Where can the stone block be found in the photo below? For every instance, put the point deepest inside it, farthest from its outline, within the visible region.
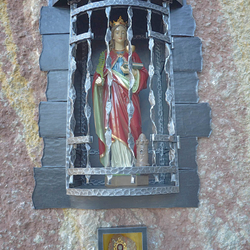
(187, 54)
(57, 85)
(193, 120)
(55, 52)
(54, 20)
(52, 119)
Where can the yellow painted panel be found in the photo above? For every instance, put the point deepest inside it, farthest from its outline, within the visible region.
(136, 237)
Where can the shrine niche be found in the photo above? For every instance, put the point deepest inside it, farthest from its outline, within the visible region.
(146, 144)
(127, 44)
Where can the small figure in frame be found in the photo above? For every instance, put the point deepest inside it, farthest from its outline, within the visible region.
(120, 242)
(117, 120)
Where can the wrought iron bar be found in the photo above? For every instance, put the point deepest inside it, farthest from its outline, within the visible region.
(158, 36)
(87, 108)
(108, 133)
(130, 106)
(159, 99)
(80, 139)
(120, 3)
(121, 170)
(81, 37)
(136, 191)
(170, 97)
(70, 151)
(83, 119)
(151, 92)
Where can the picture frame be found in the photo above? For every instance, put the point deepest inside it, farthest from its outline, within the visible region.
(138, 235)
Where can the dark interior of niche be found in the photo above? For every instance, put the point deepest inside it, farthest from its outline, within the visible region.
(99, 22)
(82, 24)
(156, 22)
(158, 2)
(82, 2)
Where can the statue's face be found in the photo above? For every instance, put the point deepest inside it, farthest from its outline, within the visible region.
(120, 35)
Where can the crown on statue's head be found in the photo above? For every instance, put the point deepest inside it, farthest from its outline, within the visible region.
(118, 22)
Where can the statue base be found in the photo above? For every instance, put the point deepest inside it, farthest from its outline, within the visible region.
(125, 181)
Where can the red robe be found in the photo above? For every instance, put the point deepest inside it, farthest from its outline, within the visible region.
(118, 118)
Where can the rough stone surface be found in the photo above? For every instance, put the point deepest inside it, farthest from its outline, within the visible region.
(22, 88)
(222, 219)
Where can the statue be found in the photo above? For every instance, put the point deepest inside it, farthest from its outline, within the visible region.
(118, 119)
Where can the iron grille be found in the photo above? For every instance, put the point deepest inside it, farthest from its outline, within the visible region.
(78, 150)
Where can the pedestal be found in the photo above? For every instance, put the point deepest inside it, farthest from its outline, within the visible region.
(125, 180)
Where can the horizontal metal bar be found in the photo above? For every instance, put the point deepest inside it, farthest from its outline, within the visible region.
(178, 142)
(119, 3)
(122, 170)
(81, 37)
(80, 140)
(158, 36)
(162, 137)
(134, 191)
(77, 1)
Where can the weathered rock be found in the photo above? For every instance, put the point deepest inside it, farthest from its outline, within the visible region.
(222, 219)
(22, 89)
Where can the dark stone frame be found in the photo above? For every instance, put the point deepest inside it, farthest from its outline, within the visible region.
(193, 118)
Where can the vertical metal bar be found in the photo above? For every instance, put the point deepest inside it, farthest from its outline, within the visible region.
(87, 108)
(130, 106)
(108, 133)
(151, 97)
(83, 101)
(151, 74)
(158, 53)
(170, 96)
(70, 151)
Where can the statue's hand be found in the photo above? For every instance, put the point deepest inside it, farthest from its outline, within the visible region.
(98, 81)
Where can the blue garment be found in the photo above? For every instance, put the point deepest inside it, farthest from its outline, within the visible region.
(119, 63)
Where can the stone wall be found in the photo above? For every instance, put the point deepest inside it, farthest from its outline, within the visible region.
(222, 219)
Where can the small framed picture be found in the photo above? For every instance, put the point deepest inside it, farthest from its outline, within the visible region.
(122, 238)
